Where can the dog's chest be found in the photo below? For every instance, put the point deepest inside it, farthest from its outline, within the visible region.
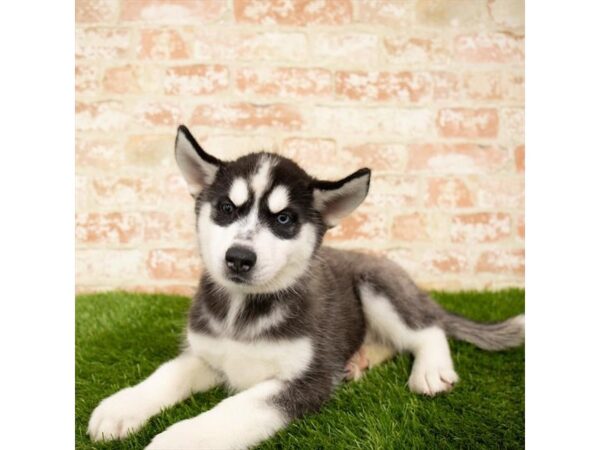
(245, 363)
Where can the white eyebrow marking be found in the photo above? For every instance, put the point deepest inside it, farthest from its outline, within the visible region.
(238, 193)
(260, 180)
(278, 199)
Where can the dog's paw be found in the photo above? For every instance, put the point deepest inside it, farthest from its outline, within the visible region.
(183, 435)
(118, 415)
(432, 380)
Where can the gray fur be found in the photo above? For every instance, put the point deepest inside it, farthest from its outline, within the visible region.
(487, 336)
(332, 301)
(325, 304)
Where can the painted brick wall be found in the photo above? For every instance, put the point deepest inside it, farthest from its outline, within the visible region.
(429, 94)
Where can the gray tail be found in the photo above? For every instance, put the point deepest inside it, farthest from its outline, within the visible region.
(487, 336)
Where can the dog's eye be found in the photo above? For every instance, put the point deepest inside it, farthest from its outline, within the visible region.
(227, 207)
(284, 218)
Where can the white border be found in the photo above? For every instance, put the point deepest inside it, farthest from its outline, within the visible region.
(563, 224)
(36, 234)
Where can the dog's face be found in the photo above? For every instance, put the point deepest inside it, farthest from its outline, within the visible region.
(261, 217)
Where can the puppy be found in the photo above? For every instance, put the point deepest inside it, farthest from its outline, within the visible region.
(279, 318)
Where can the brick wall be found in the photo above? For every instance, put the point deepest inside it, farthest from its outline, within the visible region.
(429, 94)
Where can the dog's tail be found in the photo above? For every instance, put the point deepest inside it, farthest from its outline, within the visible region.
(487, 336)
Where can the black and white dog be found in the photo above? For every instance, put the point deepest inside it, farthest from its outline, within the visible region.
(277, 317)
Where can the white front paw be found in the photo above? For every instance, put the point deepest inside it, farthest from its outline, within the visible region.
(118, 415)
(432, 380)
(181, 436)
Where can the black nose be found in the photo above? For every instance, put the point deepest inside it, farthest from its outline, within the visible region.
(240, 259)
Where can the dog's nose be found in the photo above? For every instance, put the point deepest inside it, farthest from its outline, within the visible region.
(240, 259)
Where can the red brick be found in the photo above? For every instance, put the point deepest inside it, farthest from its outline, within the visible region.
(197, 79)
(360, 225)
(446, 86)
(480, 227)
(502, 262)
(247, 116)
(173, 227)
(410, 259)
(445, 261)
(311, 153)
(101, 116)
(508, 13)
(117, 191)
(454, 13)
(483, 85)
(520, 158)
(158, 114)
(467, 123)
(83, 195)
(391, 193)
(448, 192)
(133, 79)
(342, 48)
(149, 150)
(161, 44)
(252, 46)
(231, 146)
(121, 80)
(417, 49)
(455, 158)
(494, 86)
(521, 227)
(175, 189)
(410, 227)
(407, 87)
(501, 192)
(98, 153)
(108, 267)
(403, 123)
(87, 79)
(299, 12)
(485, 47)
(89, 11)
(102, 43)
(173, 264)
(377, 156)
(284, 82)
(108, 228)
(386, 12)
(173, 11)
(513, 86)
(512, 126)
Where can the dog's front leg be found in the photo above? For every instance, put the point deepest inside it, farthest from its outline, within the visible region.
(127, 410)
(238, 422)
(248, 418)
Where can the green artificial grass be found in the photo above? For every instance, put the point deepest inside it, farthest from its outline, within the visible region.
(121, 338)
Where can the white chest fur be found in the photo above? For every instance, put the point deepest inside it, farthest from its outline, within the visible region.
(245, 364)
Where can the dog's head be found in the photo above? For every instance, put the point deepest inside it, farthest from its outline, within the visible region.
(261, 217)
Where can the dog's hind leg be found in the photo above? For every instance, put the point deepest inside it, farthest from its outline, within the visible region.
(128, 410)
(371, 353)
(432, 370)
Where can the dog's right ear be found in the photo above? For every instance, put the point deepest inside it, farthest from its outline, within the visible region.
(198, 167)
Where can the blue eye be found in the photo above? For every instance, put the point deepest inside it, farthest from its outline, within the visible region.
(227, 207)
(284, 218)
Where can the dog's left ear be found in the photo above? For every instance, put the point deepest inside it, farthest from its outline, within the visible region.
(337, 199)
(198, 167)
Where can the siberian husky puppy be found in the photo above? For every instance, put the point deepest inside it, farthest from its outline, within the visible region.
(279, 318)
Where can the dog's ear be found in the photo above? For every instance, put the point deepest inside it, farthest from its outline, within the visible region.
(198, 167)
(337, 199)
